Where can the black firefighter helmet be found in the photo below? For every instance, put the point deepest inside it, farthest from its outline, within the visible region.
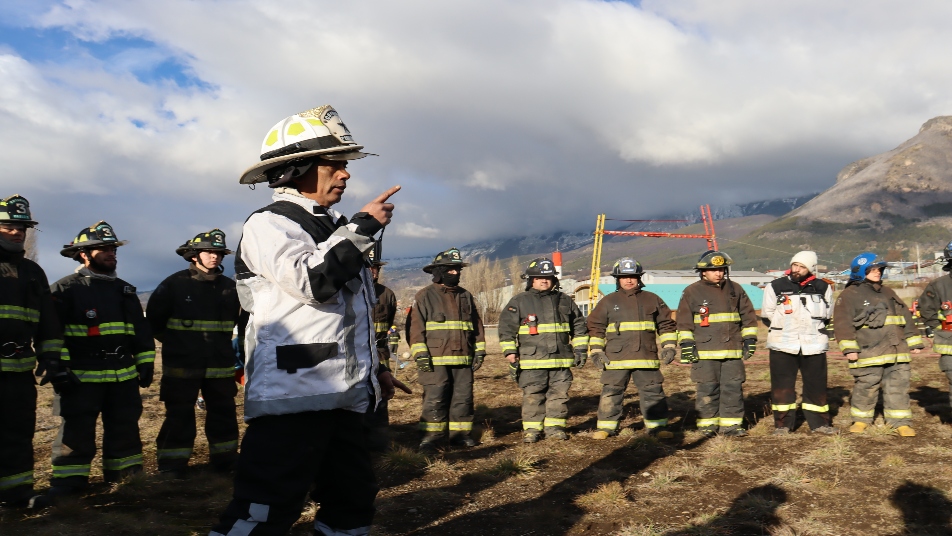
(375, 254)
(97, 235)
(16, 209)
(712, 260)
(540, 267)
(213, 240)
(450, 257)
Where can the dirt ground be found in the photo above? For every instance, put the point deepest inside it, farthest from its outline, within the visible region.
(630, 485)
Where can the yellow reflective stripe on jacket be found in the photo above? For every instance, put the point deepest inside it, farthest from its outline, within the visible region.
(527, 364)
(886, 359)
(814, 408)
(480, 346)
(580, 341)
(719, 317)
(13, 312)
(596, 342)
(213, 373)
(509, 346)
(895, 320)
(106, 376)
(145, 357)
(546, 328)
(14, 364)
(381, 327)
(668, 337)
(944, 349)
(450, 360)
(848, 346)
(633, 364)
(449, 324)
(748, 332)
(685, 336)
(720, 354)
(64, 354)
(915, 340)
(179, 324)
(646, 325)
(107, 328)
(418, 348)
(52, 345)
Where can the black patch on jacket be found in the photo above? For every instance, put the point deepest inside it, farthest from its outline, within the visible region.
(294, 356)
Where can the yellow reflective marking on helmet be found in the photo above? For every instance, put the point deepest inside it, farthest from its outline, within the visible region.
(531, 264)
(717, 261)
(295, 128)
(315, 122)
(83, 238)
(272, 138)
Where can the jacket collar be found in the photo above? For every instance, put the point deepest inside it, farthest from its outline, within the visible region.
(292, 195)
(200, 275)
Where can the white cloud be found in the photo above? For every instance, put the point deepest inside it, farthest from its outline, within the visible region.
(482, 179)
(414, 230)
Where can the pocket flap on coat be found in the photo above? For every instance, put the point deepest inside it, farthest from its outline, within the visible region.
(294, 356)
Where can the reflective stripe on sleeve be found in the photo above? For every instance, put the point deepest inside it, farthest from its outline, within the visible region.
(480, 346)
(145, 357)
(579, 342)
(596, 342)
(52, 345)
(508, 346)
(915, 340)
(13, 312)
(747, 333)
(668, 337)
(685, 336)
(418, 348)
(848, 346)
(21, 364)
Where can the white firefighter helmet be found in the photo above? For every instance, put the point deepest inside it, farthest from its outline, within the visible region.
(315, 132)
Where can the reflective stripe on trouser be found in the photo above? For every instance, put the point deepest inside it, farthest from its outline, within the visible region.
(783, 379)
(720, 393)
(447, 400)
(17, 422)
(545, 394)
(177, 436)
(75, 446)
(323, 451)
(651, 399)
(893, 380)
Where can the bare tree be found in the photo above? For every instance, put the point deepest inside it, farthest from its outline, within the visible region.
(486, 280)
(515, 269)
(29, 246)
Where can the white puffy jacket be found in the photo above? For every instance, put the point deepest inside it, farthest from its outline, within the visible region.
(302, 275)
(800, 330)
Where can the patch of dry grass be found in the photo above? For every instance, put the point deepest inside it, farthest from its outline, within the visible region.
(626, 432)
(892, 460)
(764, 427)
(607, 497)
(934, 450)
(835, 449)
(880, 431)
(402, 459)
(487, 434)
(514, 465)
(441, 467)
(639, 529)
(790, 476)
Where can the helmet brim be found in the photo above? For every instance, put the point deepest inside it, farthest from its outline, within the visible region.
(70, 251)
(258, 172)
(429, 267)
(182, 250)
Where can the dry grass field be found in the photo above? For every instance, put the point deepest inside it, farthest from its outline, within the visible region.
(630, 485)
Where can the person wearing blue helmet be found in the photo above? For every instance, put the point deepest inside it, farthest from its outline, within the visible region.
(876, 332)
(935, 306)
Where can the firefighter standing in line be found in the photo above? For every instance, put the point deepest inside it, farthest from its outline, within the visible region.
(448, 343)
(875, 332)
(109, 347)
(796, 310)
(302, 275)
(935, 306)
(717, 327)
(542, 333)
(30, 335)
(393, 337)
(383, 314)
(623, 330)
(193, 313)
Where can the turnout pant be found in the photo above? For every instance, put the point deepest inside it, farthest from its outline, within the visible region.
(545, 395)
(17, 422)
(447, 400)
(177, 435)
(75, 446)
(783, 379)
(283, 457)
(376, 423)
(945, 365)
(720, 393)
(893, 381)
(651, 399)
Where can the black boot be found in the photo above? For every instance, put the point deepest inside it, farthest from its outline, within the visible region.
(463, 440)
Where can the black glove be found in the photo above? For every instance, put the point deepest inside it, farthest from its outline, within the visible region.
(688, 353)
(667, 354)
(478, 361)
(366, 224)
(750, 346)
(600, 359)
(46, 368)
(424, 362)
(930, 333)
(581, 356)
(146, 371)
(514, 372)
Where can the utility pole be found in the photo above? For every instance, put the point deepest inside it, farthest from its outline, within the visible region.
(918, 262)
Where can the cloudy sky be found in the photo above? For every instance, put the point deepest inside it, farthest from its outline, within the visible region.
(498, 117)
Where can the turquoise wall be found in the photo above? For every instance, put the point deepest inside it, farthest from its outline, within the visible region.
(671, 294)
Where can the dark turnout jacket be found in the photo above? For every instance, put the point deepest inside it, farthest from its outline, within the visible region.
(384, 313)
(193, 315)
(873, 321)
(626, 325)
(29, 326)
(105, 333)
(730, 319)
(444, 321)
(560, 325)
